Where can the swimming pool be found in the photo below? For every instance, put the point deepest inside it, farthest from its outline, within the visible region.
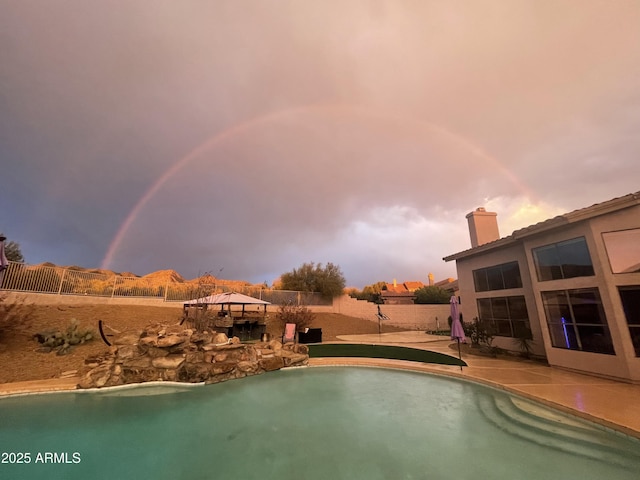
(308, 423)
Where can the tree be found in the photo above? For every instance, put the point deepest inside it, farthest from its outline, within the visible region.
(12, 251)
(432, 295)
(370, 293)
(309, 277)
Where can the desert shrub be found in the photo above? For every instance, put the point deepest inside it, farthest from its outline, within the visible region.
(480, 332)
(524, 342)
(298, 314)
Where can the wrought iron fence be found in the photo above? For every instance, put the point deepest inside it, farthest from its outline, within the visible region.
(21, 277)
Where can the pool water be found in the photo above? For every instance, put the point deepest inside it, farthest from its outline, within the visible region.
(308, 423)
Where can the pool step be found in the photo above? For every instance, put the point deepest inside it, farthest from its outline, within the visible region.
(544, 426)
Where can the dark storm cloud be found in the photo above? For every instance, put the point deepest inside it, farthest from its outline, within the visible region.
(359, 133)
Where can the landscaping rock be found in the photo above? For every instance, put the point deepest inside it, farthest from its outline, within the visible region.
(130, 337)
(170, 341)
(170, 361)
(219, 338)
(126, 352)
(271, 364)
(170, 353)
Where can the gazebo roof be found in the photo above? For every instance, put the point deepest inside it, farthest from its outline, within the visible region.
(228, 298)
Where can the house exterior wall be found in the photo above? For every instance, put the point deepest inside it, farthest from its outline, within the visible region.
(623, 364)
(469, 297)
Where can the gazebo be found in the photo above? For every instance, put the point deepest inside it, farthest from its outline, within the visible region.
(239, 315)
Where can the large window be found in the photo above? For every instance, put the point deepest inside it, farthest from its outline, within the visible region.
(630, 297)
(576, 320)
(499, 277)
(623, 249)
(507, 315)
(563, 260)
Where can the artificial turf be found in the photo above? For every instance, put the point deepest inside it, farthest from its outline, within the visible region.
(382, 351)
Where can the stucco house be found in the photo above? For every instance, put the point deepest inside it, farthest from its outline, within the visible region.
(571, 282)
(400, 293)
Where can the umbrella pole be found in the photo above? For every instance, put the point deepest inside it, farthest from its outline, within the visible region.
(459, 354)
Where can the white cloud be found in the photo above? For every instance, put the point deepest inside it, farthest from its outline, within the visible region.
(520, 212)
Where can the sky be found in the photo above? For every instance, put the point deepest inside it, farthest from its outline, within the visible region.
(243, 138)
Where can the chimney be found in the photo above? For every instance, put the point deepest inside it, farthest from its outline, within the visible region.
(431, 280)
(483, 227)
(395, 284)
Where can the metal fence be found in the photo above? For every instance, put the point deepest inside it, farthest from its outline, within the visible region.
(21, 277)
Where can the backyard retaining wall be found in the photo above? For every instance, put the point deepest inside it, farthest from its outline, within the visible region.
(412, 317)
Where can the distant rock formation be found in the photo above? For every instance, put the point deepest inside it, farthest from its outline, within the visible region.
(164, 276)
(174, 353)
(159, 278)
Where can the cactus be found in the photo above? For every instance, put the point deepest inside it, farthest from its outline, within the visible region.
(72, 336)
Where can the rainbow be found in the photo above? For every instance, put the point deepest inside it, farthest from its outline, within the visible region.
(334, 110)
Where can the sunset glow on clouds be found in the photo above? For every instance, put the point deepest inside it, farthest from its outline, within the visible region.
(258, 135)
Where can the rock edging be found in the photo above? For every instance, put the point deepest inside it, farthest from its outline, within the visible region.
(174, 353)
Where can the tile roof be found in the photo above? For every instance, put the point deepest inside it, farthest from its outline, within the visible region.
(404, 287)
(574, 216)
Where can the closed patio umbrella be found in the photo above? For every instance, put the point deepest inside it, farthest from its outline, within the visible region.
(457, 332)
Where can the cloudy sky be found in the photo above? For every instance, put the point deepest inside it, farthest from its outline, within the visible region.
(245, 137)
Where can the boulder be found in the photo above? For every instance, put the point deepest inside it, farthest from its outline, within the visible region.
(170, 361)
(248, 367)
(151, 340)
(220, 338)
(201, 337)
(221, 368)
(291, 359)
(137, 362)
(170, 375)
(97, 377)
(155, 352)
(126, 352)
(138, 375)
(176, 354)
(221, 357)
(195, 357)
(192, 373)
(170, 341)
(271, 364)
(129, 337)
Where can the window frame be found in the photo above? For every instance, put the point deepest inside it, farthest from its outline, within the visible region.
(499, 323)
(571, 328)
(556, 269)
(482, 281)
(631, 313)
(614, 241)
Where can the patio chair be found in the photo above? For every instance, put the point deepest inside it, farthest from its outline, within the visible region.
(289, 334)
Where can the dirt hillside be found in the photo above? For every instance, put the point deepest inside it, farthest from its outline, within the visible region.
(19, 360)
